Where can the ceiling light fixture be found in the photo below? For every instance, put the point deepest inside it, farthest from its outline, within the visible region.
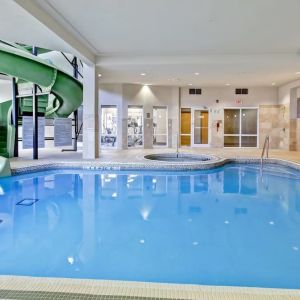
(99, 75)
(298, 73)
(190, 84)
(143, 74)
(227, 84)
(197, 73)
(273, 83)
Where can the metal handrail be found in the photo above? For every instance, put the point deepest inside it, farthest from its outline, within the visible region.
(265, 149)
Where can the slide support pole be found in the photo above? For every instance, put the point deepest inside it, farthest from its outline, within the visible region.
(15, 107)
(35, 115)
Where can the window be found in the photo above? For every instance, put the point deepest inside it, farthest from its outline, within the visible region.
(108, 131)
(240, 127)
(135, 126)
(160, 126)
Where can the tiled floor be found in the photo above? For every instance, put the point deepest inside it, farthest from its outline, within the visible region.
(12, 287)
(136, 155)
(18, 287)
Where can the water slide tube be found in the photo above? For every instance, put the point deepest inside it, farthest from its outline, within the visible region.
(16, 61)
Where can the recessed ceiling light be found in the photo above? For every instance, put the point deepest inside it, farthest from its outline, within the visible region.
(273, 83)
(99, 75)
(227, 84)
(197, 73)
(143, 74)
(190, 84)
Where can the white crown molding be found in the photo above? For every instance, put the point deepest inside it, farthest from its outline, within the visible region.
(212, 59)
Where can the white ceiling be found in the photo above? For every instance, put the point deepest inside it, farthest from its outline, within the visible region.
(172, 27)
(241, 42)
(17, 25)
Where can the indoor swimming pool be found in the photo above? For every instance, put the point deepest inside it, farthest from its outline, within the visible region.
(236, 225)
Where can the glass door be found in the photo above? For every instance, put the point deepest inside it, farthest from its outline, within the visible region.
(185, 126)
(240, 127)
(160, 126)
(135, 124)
(200, 127)
(108, 133)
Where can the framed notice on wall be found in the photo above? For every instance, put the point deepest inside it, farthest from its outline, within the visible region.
(62, 132)
(27, 132)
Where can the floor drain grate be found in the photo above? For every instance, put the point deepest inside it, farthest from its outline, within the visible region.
(27, 201)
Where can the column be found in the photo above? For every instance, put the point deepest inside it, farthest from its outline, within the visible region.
(90, 113)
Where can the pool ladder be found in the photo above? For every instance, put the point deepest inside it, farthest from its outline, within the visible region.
(265, 151)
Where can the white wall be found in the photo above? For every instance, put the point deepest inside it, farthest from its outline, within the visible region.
(227, 97)
(284, 91)
(57, 59)
(112, 94)
(5, 90)
(123, 95)
(288, 94)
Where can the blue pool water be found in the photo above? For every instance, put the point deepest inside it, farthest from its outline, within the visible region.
(233, 225)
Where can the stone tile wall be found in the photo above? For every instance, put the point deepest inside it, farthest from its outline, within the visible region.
(293, 135)
(298, 134)
(274, 121)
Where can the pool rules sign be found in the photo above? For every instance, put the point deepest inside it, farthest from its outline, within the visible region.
(27, 132)
(62, 132)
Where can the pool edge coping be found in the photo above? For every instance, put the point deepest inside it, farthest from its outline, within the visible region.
(146, 165)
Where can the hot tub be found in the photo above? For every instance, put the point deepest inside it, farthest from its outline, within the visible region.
(180, 157)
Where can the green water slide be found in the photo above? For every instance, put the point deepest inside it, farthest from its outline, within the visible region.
(62, 93)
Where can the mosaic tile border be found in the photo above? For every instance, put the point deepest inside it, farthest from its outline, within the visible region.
(22, 287)
(151, 166)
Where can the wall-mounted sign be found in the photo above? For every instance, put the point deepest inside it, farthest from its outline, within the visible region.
(62, 132)
(238, 101)
(27, 132)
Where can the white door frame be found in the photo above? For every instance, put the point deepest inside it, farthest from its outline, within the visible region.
(167, 125)
(101, 120)
(240, 132)
(193, 108)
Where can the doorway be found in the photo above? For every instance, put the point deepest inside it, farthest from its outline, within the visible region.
(108, 128)
(135, 124)
(160, 126)
(240, 127)
(194, 127)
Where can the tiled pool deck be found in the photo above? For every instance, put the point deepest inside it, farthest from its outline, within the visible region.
(14, 287)
(17, 287)
(136, 156)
